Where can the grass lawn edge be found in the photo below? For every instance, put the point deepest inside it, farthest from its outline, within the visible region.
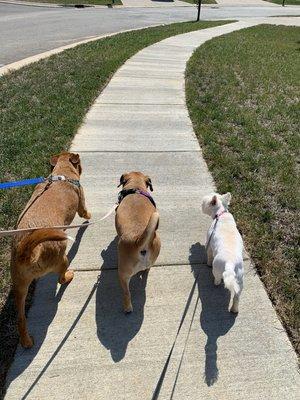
(235, 116)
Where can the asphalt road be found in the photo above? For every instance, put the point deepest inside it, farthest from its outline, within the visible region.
(28, 30)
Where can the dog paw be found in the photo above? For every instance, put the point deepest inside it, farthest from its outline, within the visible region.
(87, 215)
(128, 310)
(67, 277)
(27, 342)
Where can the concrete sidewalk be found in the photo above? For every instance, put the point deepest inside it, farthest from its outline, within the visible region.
(85, 348)
(155, 3)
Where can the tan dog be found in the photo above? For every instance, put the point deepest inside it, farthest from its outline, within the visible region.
(42, 251)
(136, 225)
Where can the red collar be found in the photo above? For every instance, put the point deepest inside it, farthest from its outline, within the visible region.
(219, 214)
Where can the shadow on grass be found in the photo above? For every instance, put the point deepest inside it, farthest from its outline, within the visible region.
(215, 320)
(114, 328)
(47, 301)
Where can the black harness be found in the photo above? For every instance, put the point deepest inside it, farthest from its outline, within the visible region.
(126, 192)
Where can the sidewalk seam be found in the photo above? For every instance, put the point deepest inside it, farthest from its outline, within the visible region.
(175, 264)
(135, 151)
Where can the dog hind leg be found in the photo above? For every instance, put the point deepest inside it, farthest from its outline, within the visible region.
(124, 282)
(235, 304)
(217, 279)
(236, 297)
(20, 292)
(209, 256)
(217, 273)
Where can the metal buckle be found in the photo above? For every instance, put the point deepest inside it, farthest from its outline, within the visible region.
(58, 178)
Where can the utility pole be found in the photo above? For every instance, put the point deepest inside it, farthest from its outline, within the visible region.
(199, 9)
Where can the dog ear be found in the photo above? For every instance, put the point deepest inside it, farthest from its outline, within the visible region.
(226, 199)
(123, 180)
(149, 183)
(214, 200)
(75, 160)
(53, 160)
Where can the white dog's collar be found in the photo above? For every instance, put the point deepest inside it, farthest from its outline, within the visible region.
(220, 213)
(216, 218)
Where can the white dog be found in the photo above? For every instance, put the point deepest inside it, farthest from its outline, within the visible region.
(224, 246)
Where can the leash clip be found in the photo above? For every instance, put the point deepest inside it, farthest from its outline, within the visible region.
(55, 178)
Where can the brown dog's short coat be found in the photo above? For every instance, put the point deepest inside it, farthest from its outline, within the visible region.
(39, 252)
(136, 224)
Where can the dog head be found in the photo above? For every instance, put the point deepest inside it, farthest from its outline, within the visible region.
(66, 161)
(213, 202)
(135, 180)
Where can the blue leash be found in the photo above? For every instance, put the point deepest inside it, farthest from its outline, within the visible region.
(24, 182)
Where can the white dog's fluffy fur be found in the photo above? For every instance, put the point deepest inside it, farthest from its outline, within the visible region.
(224, 246)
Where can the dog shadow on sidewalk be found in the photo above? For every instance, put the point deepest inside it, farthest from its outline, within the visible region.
(114, 328)
(215, 319)
(44, 309)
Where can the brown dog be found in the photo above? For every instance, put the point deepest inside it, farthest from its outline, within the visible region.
(44, 250)
(136, 225)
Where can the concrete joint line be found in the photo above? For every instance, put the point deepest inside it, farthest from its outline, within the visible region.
(114, 268)
(140, 104)
(135, 151)
(156, 78)
(165, 265)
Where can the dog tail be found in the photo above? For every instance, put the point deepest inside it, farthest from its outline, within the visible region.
(29, 243)
(149, 232)
(230, 281)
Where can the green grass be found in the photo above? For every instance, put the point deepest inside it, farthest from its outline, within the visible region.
(203, 1)
(41, 108)
(67, 2)
(243, 98)
(287, 2)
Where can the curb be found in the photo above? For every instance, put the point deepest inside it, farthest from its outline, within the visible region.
(27, 3)
(51, 5)
(82, 5)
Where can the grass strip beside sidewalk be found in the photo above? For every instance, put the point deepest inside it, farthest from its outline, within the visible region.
(41, 107)
(287, 2)
(243, 98)
(203, 1)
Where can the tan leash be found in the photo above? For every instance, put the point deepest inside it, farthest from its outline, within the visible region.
(64, 227)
